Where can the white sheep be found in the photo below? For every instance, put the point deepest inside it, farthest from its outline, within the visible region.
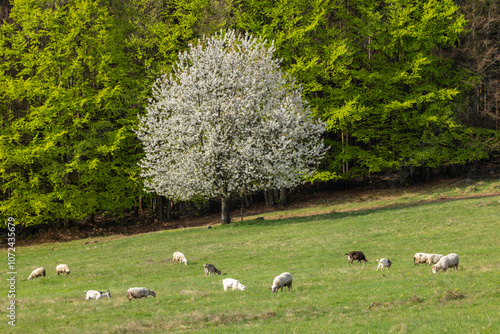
(37, 273)
(420, 258)
(448, 261)
(139, 293)
(94, 294)
(61, 269)
(284, 279)
(232, 283)
(384, 263)
(433, 258)
(179, 257)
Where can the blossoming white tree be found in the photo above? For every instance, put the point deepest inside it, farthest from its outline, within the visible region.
(227, 122)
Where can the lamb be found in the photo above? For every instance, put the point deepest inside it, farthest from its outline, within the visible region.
(94, 294)
(139, 293)
(433, 258)
(210, 268)
(384, 263)
(420, 258)
(282, 280)
(232, 283)
(61, 269)
(448, 261)
(356, 255)
(179, 257)
(37, 273)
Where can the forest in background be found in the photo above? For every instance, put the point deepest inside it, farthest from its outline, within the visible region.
(404, 86)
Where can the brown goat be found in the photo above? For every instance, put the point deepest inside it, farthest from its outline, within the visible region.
(356, 255)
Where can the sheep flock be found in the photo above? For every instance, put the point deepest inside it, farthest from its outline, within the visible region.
(285, 279)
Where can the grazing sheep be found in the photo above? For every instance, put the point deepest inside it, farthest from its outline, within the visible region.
(448, 261)
(356, 255)
(433, 258)
(284, 279)
(420, 258)
(94, 294)
(384, 263)
(232, 283)
(179, 257)
(61, 269)
(139, 293)
(37, 273)
(210, 268)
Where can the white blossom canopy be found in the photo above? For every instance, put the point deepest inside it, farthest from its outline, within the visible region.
(227, 121)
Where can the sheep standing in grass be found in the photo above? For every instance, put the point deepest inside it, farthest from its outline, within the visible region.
(232, 283)
(282, 280)
(133, 293)
(420, 258)
(37, 273)
(61, 269)
(448, 261)
(433, 258)
(210, 268)
(179, 257)
(384, 263)
(94, 294)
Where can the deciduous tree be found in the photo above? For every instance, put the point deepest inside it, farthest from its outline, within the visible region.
(66, 146)
(227, 121)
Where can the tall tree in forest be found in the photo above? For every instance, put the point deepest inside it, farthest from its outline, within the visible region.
(479, 52)
(66, 147)
(309, 41)
(227, 122)
(398, 110)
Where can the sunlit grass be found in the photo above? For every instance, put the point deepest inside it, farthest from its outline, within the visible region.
(327, 296)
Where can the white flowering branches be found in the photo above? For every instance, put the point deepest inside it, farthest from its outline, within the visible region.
(227, 121)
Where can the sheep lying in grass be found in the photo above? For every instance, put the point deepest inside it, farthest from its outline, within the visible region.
(433, 258)
(37, 273)
(384, 263)
(232, 283)
(210, 268)
(179, 257)
(448, 261)
(61, 269)
(139, 293)
(282, 280)
(420, 258)
(94, 294)
(356, 255)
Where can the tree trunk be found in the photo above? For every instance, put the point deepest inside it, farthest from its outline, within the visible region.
(248, 201)
(225, 219)
(283, 197)
(169, 210)
(269, 197)
(159, 206)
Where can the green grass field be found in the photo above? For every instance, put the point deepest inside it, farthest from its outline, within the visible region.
(328, 295)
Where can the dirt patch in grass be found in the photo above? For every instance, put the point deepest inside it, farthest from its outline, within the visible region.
(452, 295)
(377, 304)
(416, 299)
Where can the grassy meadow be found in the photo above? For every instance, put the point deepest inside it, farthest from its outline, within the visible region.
(328, 295)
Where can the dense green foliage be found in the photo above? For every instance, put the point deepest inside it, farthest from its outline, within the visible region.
(328, 295)
(386, 76)
(68, 93)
